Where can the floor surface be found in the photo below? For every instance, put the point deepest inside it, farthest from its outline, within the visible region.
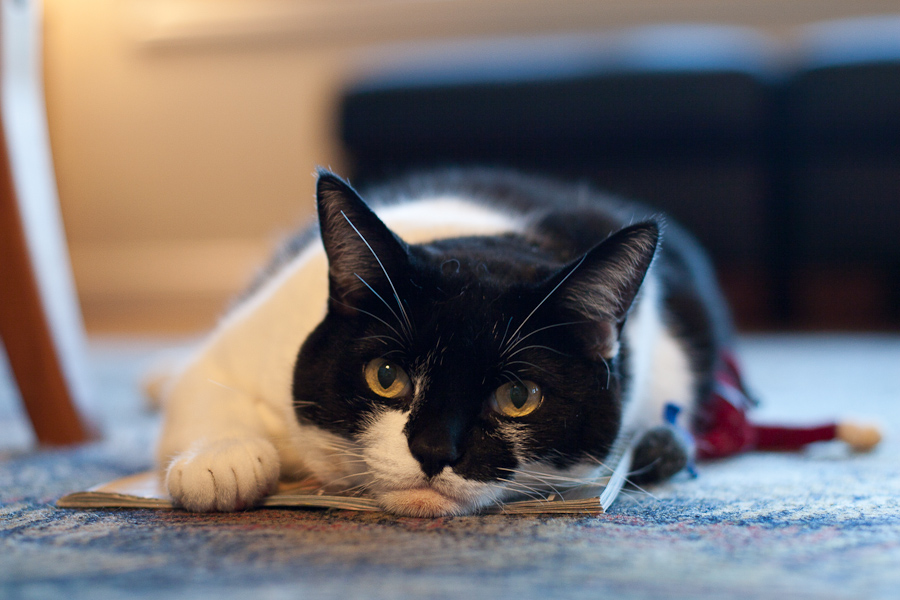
(823, 523)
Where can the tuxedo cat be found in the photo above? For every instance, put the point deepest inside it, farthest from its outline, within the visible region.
(473, 337)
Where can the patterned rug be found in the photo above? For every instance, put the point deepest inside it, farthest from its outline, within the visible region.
(819, 524)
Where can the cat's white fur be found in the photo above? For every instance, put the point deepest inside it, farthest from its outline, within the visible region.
(230, 432)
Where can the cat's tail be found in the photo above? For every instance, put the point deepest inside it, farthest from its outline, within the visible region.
(159, 377)
(153, 383)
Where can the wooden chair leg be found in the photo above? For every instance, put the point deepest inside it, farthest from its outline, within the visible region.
(25, 330)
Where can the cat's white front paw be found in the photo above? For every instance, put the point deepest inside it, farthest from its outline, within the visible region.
(224, 475)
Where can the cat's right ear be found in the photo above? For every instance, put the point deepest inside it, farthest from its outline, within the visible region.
(362, 252)
(604, 283)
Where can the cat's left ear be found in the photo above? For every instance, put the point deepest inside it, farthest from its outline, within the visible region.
(604, 283)
(362, 252)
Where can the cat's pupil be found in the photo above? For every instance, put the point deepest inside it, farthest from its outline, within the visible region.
(518, 395)
(387, 375)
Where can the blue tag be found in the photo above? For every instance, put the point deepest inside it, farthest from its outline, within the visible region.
(670, 416)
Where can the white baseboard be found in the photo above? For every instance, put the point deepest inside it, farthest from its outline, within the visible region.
(330, 23)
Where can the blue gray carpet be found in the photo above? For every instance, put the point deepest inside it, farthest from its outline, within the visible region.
(820, 524)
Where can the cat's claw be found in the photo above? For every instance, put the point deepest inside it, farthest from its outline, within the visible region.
(224, 475)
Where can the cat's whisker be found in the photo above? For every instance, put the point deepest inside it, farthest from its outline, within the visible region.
(600, 463)
(357, 455)
(365, 487)
(357, 490)
(641, 489)
(340, 449)
(538, 347)
(527, 364)
(520, 488)
(547, 297)
(335, 446)
(500, 494)
(637, 493)
(546, 478)
(515, 341)
(505, 332)
(339, 442)
(512, 376)
(628, 479)
(608, 370)
(409, 327)
(334, 481)
(539, 479)
(367, 313)
(501, 506)
(382, 338)
(561, 478)
(388, 306)
(551, 480)
(341, 452)
(339, 445)
(535, 494)
(337, 450)
(497, 498)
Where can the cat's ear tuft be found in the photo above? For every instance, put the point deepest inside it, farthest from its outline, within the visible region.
(604, 283)
(362, 252)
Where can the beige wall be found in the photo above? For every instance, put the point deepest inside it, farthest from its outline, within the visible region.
(176, 166)
(185, 132)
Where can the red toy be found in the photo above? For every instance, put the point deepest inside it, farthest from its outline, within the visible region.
(724, 428)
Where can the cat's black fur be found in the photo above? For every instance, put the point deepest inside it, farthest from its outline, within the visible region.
(463, 316)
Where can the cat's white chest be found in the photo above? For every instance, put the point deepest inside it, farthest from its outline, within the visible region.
(659, 364)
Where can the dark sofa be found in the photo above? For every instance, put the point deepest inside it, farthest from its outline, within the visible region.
(782, 156)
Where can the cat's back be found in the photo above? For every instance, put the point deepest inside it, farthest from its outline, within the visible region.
(573, 212)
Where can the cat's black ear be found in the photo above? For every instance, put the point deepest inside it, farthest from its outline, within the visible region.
(362, 252)
(603, 284)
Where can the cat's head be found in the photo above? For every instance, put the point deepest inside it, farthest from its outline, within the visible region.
(450, 375)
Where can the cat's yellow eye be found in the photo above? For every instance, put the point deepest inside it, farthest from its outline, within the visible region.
(517, 398)
(386, 379)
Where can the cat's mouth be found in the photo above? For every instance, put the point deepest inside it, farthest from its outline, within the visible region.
(423, 501)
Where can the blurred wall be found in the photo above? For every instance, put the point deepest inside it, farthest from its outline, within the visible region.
(177, 166)
(185, 132)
